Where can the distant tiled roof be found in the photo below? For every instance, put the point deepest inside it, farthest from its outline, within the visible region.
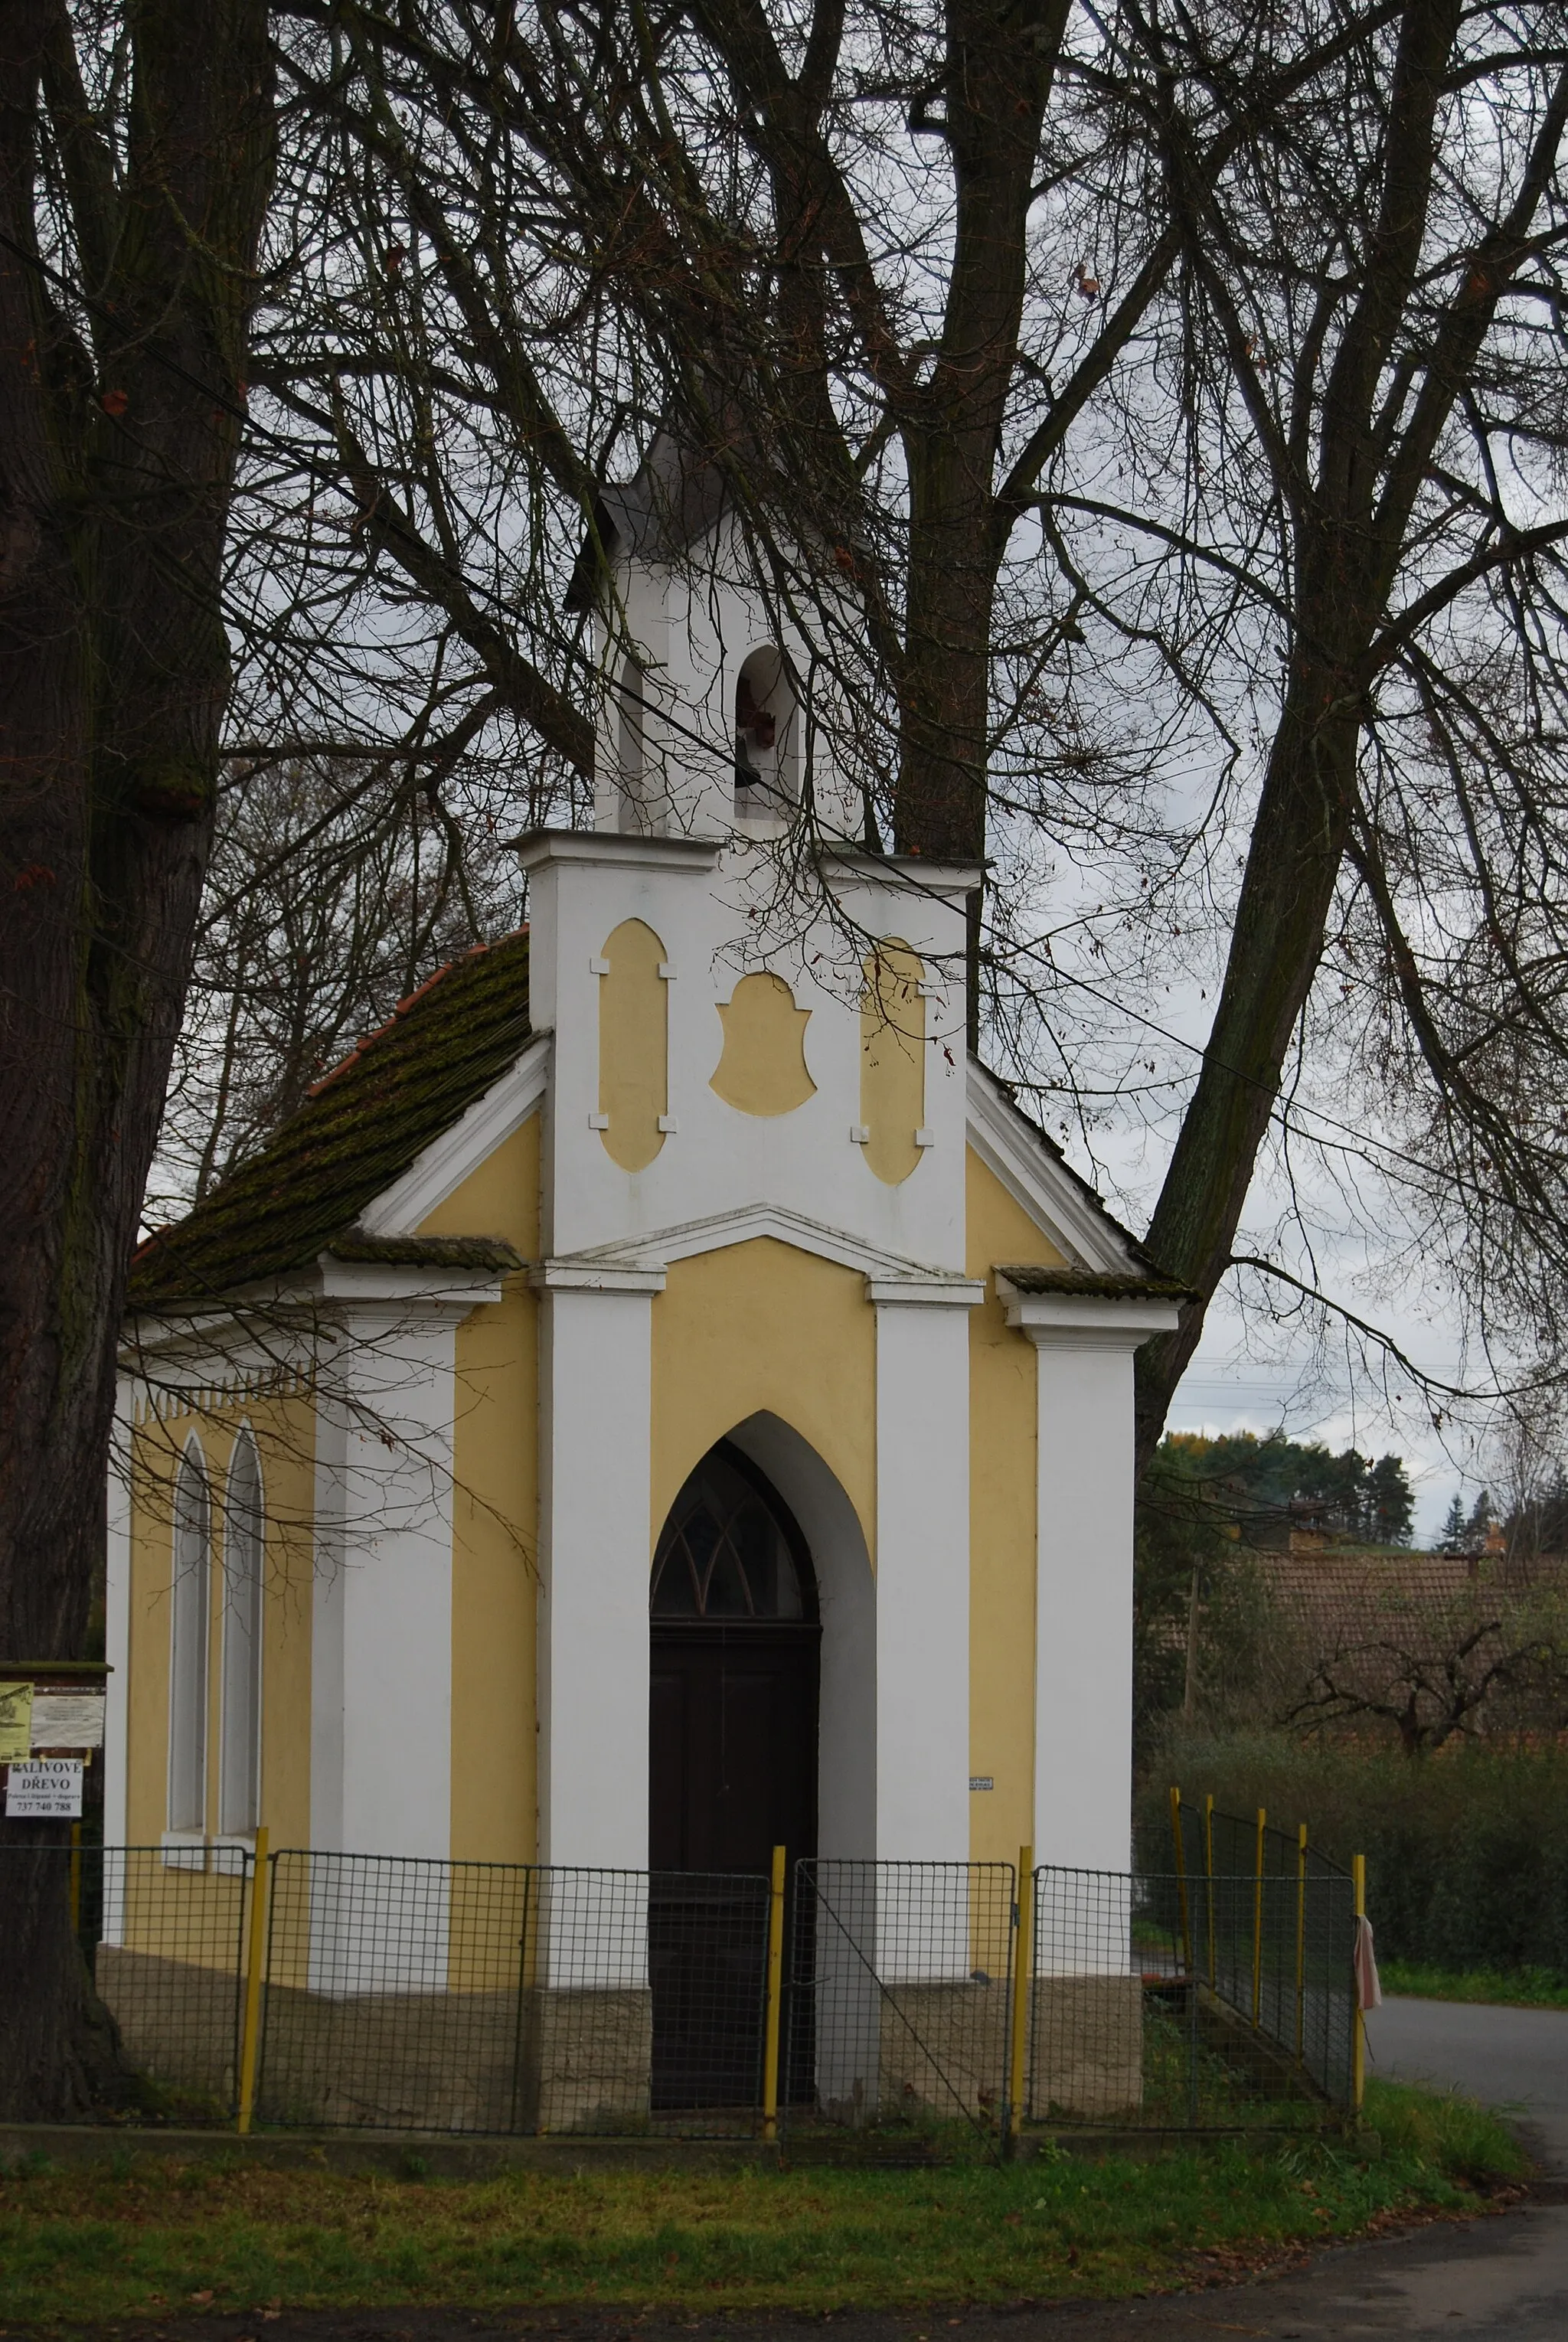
(1341, 1593)
(1030, 1277)
(360, 1129)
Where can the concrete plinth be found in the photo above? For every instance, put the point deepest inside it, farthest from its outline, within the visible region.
(943, 2049)
(586, 2060)
(436, 2061)
(179, 2021)
(1087, 2048)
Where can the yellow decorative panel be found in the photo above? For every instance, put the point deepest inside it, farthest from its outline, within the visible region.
(763, 1069)
(634, 1046)
(892, 1060)
(760, 1325)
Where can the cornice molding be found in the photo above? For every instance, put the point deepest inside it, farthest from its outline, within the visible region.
(684, 1240)
(1085, 1321)
(587, 1275)
(537, 848)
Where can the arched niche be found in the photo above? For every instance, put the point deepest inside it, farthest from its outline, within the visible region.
(766, 724)
(636, 812)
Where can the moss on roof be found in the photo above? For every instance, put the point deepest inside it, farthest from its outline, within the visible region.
(359, 1130)
(491, 1253)
(1030, 1277)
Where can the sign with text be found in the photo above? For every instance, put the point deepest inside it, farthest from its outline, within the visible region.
(16, 1721)
(67, 1719)
(45, 1789)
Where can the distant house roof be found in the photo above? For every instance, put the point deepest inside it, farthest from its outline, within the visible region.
(360, 1129)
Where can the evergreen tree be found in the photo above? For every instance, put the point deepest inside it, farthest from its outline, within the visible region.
(1390, 1504)
(1454, 1527)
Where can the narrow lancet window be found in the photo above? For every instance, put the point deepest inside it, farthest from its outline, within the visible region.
(239, 1789)
(188, 1652)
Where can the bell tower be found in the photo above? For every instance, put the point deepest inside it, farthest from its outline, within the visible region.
(704, 730)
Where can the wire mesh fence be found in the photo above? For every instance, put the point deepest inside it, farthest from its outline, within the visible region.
(899, 1996)
(486, 1997)
(1161, 2001)
(163, 1940)
(1269, 1923)
(467, 1997)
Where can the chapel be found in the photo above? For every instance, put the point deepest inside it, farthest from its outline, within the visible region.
(659, 1398)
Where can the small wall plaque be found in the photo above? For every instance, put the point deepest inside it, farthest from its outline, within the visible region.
(982, 1780)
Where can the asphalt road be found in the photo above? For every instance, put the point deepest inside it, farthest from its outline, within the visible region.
(1513, 2058)
(1500, 2278)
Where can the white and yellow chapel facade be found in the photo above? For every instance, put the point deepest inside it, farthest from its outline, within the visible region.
(659, 1397)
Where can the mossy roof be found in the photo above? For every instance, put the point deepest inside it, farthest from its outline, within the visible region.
(1031, 1277)
(361, 1129)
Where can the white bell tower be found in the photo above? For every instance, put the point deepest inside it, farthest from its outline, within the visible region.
(704, 732)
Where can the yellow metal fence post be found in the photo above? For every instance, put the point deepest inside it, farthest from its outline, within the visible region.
(1301, 1943)
(1209, 1873)
(1358, 2022)
(1258, 1926)
(256, 1952)
(75, 1878)
(775, 1987)
(1179, 1837)
(1022, 1969)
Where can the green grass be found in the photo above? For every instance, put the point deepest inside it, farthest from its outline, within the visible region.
(1513, 1987)
(143, 2237)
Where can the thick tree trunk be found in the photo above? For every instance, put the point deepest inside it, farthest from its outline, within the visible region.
(999, 70)
(117, 458)
(1298, 845)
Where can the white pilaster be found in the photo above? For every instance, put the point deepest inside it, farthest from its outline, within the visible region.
(381, 1658)
(596, 1551)
(1083, 1588)
(923, 1569)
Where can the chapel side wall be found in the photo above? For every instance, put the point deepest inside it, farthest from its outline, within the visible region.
(763, 1327)
(495, 1514)
(1003, 1454)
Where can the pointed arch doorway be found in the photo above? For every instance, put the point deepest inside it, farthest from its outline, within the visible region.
(735, 1661)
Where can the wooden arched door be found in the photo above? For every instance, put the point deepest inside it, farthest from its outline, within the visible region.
(733, 1736)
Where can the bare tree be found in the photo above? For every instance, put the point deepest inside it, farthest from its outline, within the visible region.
(1100, 397)
(332, 894)
(137, 150)
(1438, 1671)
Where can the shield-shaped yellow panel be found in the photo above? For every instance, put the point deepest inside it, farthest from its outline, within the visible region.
(763, 1069)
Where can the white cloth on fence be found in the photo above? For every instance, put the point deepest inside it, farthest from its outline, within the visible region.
(1368, 1990)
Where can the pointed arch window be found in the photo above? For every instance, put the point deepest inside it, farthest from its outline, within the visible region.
(244, 1551)
(730, 1550)
(188, 1645)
